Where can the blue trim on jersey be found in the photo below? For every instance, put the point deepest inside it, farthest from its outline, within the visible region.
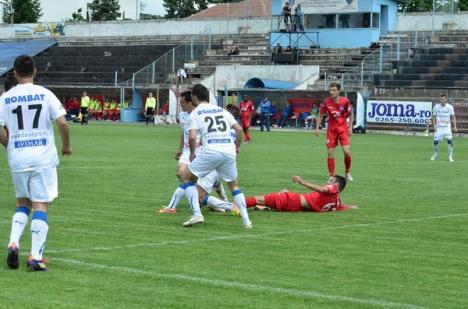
(23, 209)
(40, 215)
(238, 191)
(186, 185)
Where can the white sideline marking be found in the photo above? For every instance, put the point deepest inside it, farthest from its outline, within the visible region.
(230, 237)
(244, 286)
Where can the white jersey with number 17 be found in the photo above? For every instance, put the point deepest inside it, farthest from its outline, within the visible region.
(214, 125)
(27, 111)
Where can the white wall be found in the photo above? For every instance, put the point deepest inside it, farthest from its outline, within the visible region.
(56, 11)
(235, 76)
(429, 22)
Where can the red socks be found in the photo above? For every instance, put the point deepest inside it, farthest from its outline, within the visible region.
(347, 163)
(331, 166)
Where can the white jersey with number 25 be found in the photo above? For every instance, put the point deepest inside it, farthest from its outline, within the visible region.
(214, 124)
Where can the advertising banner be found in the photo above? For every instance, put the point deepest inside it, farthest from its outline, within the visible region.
(402, 112)
(329, 6)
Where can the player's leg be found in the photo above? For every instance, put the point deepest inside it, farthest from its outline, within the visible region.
(450, 146)
(435, 146)
(179, 192)
(43, 188)
(20, 217)
(201, 166)
(345, 143)
(332, 142)
(246, 133)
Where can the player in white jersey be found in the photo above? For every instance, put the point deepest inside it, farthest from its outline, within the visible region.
(219, 152)
(443, 117)
(27, 112)
(204, 185)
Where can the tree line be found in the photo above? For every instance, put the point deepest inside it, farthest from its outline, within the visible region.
(29, 11)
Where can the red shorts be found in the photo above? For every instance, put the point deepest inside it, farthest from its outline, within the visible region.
(284, 201)
(245, 122)
(337, 134)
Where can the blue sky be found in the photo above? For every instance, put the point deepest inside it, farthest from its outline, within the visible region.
(154, 7)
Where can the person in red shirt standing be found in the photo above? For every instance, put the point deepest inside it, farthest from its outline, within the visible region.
(338, 109)
(322, 199)
(246, 111)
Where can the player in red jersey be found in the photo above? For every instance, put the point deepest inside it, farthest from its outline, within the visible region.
(322, 199)
(247, 110)
(338, 109)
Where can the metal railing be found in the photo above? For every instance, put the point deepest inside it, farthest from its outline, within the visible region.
(163, 70)
(381, 60)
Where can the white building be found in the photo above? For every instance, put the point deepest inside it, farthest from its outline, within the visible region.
(57, 11)
(2, 4)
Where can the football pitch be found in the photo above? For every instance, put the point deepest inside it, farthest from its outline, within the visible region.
(405, 247)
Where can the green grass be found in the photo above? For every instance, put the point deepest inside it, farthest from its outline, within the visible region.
(405, 247)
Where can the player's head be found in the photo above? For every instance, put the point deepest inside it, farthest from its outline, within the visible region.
(24, 67)
(234, 110)
(443, 99)
(340, 181)
(200, 94)
(85, 94)
(150, 94)
(186, 101)
(334, 89)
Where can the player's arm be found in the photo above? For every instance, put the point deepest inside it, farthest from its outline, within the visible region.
(181, 146)
(192, 142)
(3, 137)
(351, 120)
(309, 185)
(318, 123)
(454, 122)
(238, 129)
(62, 126)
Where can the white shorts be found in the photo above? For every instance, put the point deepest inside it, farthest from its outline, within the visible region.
(208, 161)
(442, 133)
(208, 182)
(38, 186)
(185, 156)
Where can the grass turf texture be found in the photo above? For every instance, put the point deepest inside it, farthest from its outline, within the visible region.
(108, 248)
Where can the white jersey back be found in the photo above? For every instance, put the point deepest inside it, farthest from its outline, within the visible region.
(184, 121)
(214, 125)
(442, 115)
(27, 111)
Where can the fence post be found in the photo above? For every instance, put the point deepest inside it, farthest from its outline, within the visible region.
(398, 47)
(133, 81)
(191, 49)
(173, 60)
(153, 72)
(362, 71)
(115, 78)
(416, 39)
(209, 37)
(380, 61)
(325, 81)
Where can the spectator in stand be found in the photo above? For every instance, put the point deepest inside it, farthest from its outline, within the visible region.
(181, 75)
(287, 16)
(299, 18)
(288, 49)
(284, 116)
(265, 110)
(73, 107)
(311, 120)
(233, 51)
(247, 110)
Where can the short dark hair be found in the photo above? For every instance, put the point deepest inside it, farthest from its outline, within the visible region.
(443, 95)
(341, 182)
(201, 92)
(10, 82)
(24, 66)
(234, 110)
(187, 95)
(334, 84)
